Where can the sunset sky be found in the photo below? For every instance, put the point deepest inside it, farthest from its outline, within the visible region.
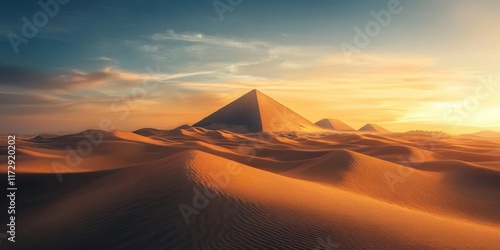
(434, 66)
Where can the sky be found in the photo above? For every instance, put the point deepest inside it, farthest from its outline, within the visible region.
(405, 65)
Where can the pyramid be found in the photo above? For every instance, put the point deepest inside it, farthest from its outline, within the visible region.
(256, 112)
(334, 124)
(373, 128)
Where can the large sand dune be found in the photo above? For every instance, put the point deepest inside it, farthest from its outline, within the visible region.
(194, 188)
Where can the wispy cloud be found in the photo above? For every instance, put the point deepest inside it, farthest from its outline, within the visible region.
(103, 58)
(30, 79)
(212, 40)
(148, 48)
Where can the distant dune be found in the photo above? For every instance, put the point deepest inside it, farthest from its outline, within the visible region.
(488, 133)
(334, 124)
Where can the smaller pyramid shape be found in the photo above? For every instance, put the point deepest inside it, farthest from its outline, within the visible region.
(256, 112)
(373, 128)
(334, 124)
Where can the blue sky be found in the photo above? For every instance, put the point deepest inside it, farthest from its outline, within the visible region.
(94, 28)
(427, 60)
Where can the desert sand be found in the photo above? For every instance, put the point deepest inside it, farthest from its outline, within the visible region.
(311, 188)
